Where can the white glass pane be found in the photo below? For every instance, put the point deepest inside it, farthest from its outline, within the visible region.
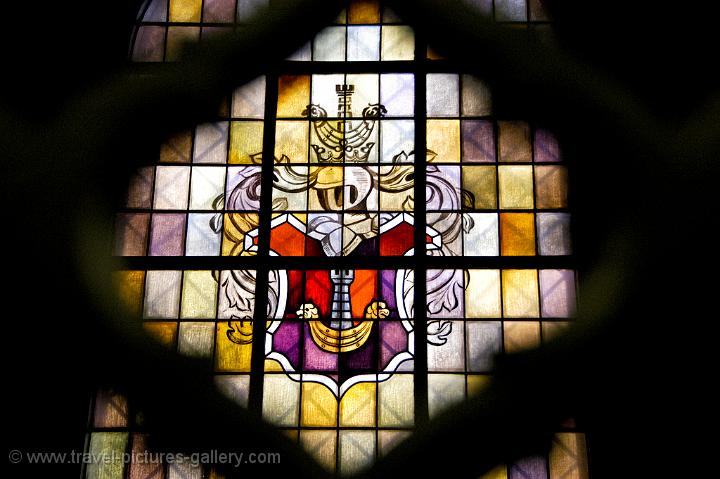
(171, 187)
(397, 93)
(443, 97)
(162, 294)
(249, 100)
(481, 238)
(397, 139)
(201, 239)
(208, 182)
(363, 43)
(329, 45)
(444, 390)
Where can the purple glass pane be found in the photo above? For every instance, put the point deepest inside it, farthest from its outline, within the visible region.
(553, 234)
(529, 468)
(220, 11)
(387, 291)
(478, 137)
(547, 149)
(557, 290)
(149, 44)
(393, 340)
(167, 235)
(131, 231)
(156, 11)
(286, 340)
(315, 358)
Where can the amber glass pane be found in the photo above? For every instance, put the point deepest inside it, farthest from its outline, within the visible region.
(517, 234)
(364, 11)
(568, 456)
(177, 149)
(164, 333)
(551, 187)
(521, 335)
(293, 95)
(129, 286)
(514, 141)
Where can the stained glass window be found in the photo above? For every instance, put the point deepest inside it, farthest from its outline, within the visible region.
(351, 366)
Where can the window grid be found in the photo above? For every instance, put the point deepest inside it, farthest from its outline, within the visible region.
(263, 264)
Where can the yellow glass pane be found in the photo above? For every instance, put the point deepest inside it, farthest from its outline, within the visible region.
(395, 410)
(230, 356)
(551, 187)
(520, 293)
(235, 226)
(319, 406)
(291, 141)
(357, 406)
(321, 445)
(500, 472)
(364, 11)
(293, 95)
(246, 140)
(129, 287)
(480, 181)
(568, 456)
(185, 10)
(199, 298)
(443, 139)
(517, 234)
(398, 43)
(520, 335)
(273, 366)
(515, 141)
(164, 333)
(177, 37)
(516, 187)
(482, 294)
(476, 383)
